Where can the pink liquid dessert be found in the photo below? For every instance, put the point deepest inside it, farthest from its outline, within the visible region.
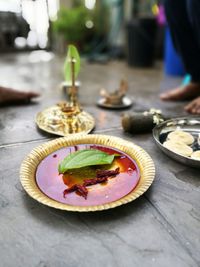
(53, 184)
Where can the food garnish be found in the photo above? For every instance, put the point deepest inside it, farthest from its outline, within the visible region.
(94, 181)
(81, 189)
(108, 173)
(101, 177)
(84, 158)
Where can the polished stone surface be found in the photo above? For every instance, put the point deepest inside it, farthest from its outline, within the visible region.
(161, 228)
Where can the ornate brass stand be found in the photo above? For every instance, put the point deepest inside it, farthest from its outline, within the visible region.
(66, 117)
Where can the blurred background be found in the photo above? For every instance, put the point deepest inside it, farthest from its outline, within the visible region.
(131, 30)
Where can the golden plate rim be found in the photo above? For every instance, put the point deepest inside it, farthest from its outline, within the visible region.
(30, 163)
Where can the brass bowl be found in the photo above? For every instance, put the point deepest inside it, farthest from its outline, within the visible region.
(30, 163)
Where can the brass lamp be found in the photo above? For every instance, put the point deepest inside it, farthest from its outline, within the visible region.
(66, 117)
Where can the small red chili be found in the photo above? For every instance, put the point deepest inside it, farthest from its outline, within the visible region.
(101, 176)
(76, 188)
(108, 173)
(94, 181)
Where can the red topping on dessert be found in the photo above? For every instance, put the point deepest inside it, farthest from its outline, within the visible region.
(82, 190)
(94, 181)
(108, 173)
(101, 177)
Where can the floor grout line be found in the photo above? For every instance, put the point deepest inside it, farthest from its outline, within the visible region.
(52, 138)
(25, 142)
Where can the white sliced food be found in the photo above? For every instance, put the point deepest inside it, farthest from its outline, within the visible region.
(196, 155)
(179, 148)
(198, 140)
(181, 136)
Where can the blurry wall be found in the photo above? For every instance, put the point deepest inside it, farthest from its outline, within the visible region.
(67, 3)
(24, 24)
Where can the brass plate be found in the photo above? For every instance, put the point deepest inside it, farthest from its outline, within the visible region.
(52, 120)
(30, 163)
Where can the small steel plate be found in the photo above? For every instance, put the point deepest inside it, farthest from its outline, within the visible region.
(187, 124)
(126, 103)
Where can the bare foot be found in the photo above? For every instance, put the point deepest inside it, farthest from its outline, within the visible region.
(194, 106)
(11, 96)
(182, 93)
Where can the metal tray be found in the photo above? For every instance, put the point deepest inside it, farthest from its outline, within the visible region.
(32, 161)
(187, 124)
(126, 103)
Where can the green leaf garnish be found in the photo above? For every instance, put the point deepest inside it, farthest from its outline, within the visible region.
(72, 54)
(83, 158)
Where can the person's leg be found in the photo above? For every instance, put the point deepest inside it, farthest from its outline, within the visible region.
(193, 7)
(184, 37)
(180, 14)
(194, 16)
(194, 106)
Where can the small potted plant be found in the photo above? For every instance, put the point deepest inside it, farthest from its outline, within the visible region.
(81, 26)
